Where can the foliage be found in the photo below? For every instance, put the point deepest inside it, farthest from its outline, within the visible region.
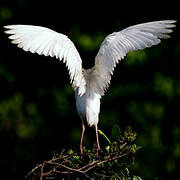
(115, 161)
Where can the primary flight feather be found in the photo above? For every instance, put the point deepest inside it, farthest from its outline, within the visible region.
(90, 84)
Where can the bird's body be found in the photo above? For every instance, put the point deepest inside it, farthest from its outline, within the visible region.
(88, 107)
(89, 85)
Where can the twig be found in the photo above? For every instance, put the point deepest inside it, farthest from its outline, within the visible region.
(116, 175)
(107, 160)
(122, 146)
(66, 167)
(42, 167)
(89, 165)
(32, 171)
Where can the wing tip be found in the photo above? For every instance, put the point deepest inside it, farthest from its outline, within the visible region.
(8, 26)
(8, 29)
(169, 23)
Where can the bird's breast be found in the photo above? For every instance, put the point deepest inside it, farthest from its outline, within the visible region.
(88, 107)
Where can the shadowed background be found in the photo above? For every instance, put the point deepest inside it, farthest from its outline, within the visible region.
(37, 105)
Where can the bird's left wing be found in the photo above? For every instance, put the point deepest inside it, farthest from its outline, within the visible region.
(116, 45)
(44, 41)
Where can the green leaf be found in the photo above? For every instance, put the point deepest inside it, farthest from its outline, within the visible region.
(134, 148)
(70, 151)
(127, 170)
(76, 157)
(136, 178)
(114, 146)
(101, 133)
(129, 134)
(107, 148)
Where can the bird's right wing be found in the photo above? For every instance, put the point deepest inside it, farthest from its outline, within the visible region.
(116, 45)
(44, 41)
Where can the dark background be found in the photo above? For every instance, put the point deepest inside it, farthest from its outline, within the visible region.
(37, 106)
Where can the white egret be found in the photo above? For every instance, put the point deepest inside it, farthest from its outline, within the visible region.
(89, 85)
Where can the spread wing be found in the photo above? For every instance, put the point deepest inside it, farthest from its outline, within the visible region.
(116, 45)
(45, 41)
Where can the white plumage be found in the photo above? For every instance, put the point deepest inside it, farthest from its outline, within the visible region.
(90, 85)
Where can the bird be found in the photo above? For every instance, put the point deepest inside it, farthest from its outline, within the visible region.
(90, 84)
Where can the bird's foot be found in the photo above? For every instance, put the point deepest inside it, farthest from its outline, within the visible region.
(97, 151)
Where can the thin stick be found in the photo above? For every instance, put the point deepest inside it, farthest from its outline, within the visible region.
(30, 172)
(42, 167)
(66, 167)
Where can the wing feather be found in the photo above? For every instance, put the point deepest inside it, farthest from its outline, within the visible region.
(116, 45)
(44, 41)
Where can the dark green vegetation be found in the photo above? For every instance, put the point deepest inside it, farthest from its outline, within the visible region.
(37, 106)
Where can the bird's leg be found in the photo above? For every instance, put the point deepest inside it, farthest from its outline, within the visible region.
(97, 139)
(82, 135)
